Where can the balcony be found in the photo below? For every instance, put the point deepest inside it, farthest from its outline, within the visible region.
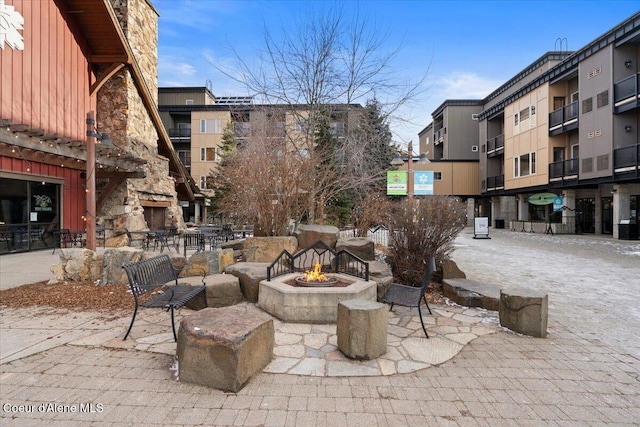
(626, 94)
(626, 161)
(495, 183)
(180, 133)
(565, 170)
(495, 146)
(438, 137)
(563, 119)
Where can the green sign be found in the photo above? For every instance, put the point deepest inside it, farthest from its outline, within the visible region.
(397, 183)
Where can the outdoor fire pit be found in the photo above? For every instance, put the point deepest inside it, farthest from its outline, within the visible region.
(311, 304)
(315, 279)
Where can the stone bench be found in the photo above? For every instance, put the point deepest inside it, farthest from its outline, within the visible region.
(524, 311)
(222, 290)
(224, 347)
(362, 328)
(471, 293)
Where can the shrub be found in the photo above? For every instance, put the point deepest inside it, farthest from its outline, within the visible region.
(420, 229)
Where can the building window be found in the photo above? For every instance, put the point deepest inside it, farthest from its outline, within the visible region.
(515, 119)
(602, 99)
(207, 154)
(337, 129)
(189, 102)
(185, 157)
(587, 105)
(210, 126)
(437, 176)
(203, 182)
(524, 165)
(524, 114)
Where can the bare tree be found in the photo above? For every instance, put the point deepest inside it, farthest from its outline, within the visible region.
(321, 64)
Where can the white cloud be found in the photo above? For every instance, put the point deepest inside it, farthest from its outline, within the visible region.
(463, 85)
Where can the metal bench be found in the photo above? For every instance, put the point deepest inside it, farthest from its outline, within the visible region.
(156, 276)
(411, 296)
(64, 238)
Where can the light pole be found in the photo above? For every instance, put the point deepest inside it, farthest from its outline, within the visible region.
(398, 161)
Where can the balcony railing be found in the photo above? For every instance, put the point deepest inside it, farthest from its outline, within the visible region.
(438, 136)
(564, 119)
(564, 170)
(495, 182)
(180, 133)
(626, 160)
(495, 146)
(626, 94)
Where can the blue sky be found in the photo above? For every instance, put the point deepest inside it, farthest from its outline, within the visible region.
(466, 48)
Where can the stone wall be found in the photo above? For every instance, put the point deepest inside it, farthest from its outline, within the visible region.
(122, 114)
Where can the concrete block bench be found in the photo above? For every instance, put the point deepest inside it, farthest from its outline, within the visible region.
(224, 347)
(524, 311)
(362, 328)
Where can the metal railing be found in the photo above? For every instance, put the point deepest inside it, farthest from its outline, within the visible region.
(495, 182)
(565, 118)
(627, 159)
(336, 262)
(495, 145)
(626, 93)
(180, 133)
(564, 169)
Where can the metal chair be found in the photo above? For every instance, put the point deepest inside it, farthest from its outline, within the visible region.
(411, 296)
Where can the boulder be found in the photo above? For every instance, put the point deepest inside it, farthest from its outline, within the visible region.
(362, 328)
(448, 270)
(361, 247)
(267, 249)
(524, 311)
(224, 347)
(250, 274)
(308, 234)
(77, 264)
(114, 259)
(380, 272)
(201, 264)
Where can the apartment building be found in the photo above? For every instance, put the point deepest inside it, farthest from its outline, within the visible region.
(557, 145)
(195, 119)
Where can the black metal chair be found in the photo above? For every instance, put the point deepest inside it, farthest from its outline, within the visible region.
(411, 296)
(193, 241)
(64, 238)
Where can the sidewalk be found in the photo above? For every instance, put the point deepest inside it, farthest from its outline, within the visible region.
(587, 372)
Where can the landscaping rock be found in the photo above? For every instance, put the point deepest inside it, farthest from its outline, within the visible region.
(362, 328)
(250, 274)
(524, 311)
(114, 259)
(267, 249)
(361, 247)
(224, 347)
(380, 272)
(308, 234)
(471, 293)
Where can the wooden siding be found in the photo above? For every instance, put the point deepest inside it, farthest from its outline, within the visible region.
(46, 86)
(458, 178)
(73, 188)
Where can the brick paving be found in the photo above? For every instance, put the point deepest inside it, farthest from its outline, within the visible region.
(585, 373)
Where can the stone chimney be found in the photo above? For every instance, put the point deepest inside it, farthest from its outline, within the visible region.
(122, 114)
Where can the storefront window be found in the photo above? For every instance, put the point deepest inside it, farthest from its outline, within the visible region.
(29, 212)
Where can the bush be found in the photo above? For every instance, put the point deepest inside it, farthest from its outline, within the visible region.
(420, 229)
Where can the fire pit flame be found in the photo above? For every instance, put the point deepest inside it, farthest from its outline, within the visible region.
(316, 278)
(315, 275)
